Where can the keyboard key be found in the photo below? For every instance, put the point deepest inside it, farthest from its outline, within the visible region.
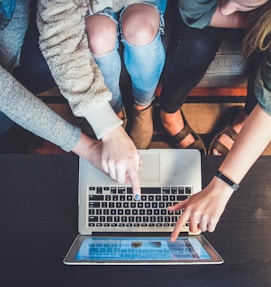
(99, 190)
(174, 190)
(150, 190)
(188, 190)
(181, 197)
(143, 197)
(113, 190)
(158, 198)
(96, 197)
(93, 218)
(180, 190)
(94, 204)
(121, 190)
(129, 197)
(135, 211)
(154, 205)
(166, 190)
(116, 219)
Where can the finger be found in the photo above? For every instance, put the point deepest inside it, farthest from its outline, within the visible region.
(112, 170)
(194, 224)
(140, 164)
(177, 206)
(211, 226)
(203, 225)
(134, 179)
(179, 225)
(105, 166)
(120, 173)
(137, 161)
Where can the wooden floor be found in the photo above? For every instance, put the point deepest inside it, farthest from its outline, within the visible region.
(210, 104)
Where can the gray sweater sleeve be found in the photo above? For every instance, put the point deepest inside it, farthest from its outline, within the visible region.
(31, 113)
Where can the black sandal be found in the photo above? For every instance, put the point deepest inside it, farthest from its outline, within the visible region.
(181, 135)
(227, 130)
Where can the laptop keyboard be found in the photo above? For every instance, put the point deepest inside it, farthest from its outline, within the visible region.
(115, 207)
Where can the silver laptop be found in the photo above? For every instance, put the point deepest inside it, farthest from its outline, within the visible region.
(116, 229)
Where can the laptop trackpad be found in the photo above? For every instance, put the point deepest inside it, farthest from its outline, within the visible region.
(150, 171)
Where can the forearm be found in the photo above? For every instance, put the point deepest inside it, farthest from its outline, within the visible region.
(251, 142)
(31, 113)
(89, 149)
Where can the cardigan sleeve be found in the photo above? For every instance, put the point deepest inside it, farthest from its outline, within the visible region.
(64, 44)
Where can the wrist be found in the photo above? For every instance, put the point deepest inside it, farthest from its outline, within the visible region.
(220, 189)
(84, 144)
(233, 185)
(112, 134)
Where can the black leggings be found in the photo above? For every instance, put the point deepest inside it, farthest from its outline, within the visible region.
(191, 52)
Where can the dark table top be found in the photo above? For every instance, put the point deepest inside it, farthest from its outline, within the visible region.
(38, 220)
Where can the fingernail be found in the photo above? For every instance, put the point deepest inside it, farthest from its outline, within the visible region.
(137, 197)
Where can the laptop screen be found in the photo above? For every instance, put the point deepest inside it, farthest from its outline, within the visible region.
(109, 250)
(151, 248)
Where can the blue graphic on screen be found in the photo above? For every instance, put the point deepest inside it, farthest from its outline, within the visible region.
(141, 248)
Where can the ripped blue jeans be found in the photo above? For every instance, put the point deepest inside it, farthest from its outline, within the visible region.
(143, 63)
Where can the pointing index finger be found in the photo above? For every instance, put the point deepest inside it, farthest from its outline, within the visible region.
(179, 225)
(134, 179)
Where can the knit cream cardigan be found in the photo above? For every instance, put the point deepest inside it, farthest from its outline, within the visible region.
(64, 44)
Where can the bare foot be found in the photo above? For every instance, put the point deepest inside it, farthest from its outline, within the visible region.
(237, 125)
(173, 124)
(120, 114)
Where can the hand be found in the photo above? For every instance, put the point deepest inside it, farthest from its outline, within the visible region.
(120, 158)
(90, 150)
(203, 209)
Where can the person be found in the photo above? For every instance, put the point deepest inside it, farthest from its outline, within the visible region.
(200, 28)
(205, 208)
(140, 24)
(63, 42)
(10, 48)
(19, 105)
(18, 39)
